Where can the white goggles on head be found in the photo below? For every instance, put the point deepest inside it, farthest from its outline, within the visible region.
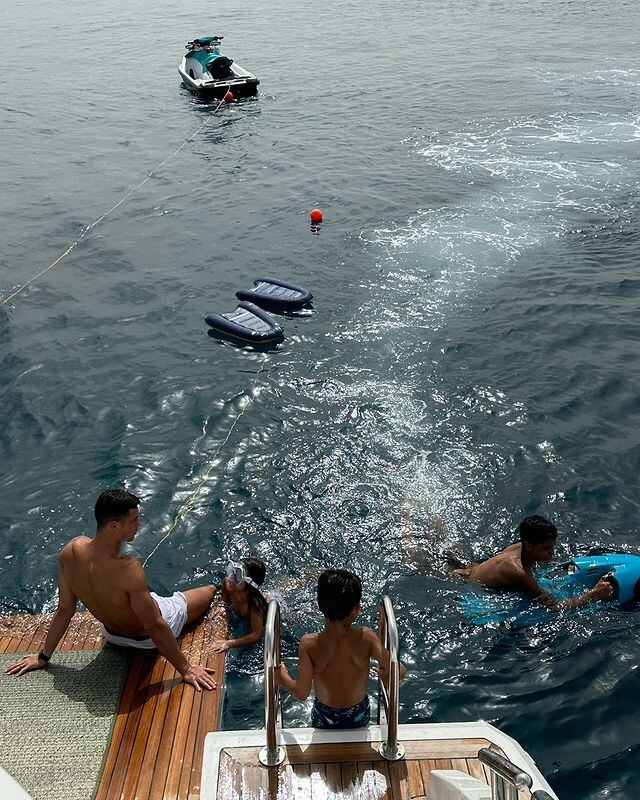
(237, 571)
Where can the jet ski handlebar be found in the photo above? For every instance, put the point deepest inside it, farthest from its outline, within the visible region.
(207, 42)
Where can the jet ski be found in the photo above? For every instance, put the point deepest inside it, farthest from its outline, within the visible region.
(207, 72)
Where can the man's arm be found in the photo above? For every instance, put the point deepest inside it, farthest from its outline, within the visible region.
(301, 685)
(67, 602)
(147, 611)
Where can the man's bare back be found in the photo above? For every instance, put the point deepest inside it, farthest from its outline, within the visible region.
(102, 582)
(114, 589)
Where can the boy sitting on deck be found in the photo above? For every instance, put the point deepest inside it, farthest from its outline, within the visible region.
(337, 659)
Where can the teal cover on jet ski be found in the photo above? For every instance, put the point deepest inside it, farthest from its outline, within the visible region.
(205, 57)
(482, 606)
(213, 57)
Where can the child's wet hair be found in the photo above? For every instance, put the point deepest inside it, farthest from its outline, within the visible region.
(339, 592)
(257, 571)
(536, 530)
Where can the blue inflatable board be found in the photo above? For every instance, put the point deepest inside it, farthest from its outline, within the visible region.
(248, 323)
(483, 606)
(276, 295)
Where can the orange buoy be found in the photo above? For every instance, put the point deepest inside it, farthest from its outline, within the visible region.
(316, 215)
(229, 97)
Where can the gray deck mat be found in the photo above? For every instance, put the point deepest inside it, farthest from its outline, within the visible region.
(56, 723)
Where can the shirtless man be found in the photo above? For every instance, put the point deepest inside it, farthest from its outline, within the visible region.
(336, 660)
(512, 568)
(114, 589)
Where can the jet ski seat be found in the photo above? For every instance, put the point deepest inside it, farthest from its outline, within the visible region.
(219, 67)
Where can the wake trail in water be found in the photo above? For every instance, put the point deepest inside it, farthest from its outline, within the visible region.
(405, 466)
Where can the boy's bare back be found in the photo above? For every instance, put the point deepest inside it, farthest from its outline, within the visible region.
(503, 571)
(340, 662)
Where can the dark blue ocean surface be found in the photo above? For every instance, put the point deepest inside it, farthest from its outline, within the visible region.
(473, 355)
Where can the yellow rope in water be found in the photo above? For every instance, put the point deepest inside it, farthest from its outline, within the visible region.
(113, 208)
(194, 495)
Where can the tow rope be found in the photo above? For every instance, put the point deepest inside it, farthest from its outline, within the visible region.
(96, 222)
(188, 504)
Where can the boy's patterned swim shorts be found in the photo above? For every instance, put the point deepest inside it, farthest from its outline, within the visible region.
(357, 716)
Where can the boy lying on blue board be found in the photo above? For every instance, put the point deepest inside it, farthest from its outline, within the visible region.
(336, 660)
(512, 569)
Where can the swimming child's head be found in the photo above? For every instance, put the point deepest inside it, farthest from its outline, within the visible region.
(256, 569)
(247, 570)
(538, 537)
(339, 593)
(248, 575)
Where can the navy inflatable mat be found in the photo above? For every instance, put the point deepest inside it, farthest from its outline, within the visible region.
(248, 323)
(276, 295)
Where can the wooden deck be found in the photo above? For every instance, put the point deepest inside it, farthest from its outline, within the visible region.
(158, 737)
(345, 770)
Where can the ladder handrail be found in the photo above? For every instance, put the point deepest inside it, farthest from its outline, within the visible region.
(392, 750)
(507, 780)
(272, 754)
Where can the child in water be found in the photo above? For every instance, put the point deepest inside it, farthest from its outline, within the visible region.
(512, 569)
(240, 589)
(337, 659)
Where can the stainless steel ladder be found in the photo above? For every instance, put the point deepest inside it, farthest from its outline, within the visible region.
(273, 753)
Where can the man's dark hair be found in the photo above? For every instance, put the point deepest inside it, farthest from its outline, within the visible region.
(536, 530)
(339, 592)
(113, 505)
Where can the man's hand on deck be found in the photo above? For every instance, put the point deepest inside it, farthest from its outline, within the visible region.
(200, 678)
(26, 664)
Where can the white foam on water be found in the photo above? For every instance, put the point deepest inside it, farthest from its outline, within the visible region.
(536, 179)
(529, 180)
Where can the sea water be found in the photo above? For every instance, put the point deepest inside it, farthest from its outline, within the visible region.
(472, 356)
